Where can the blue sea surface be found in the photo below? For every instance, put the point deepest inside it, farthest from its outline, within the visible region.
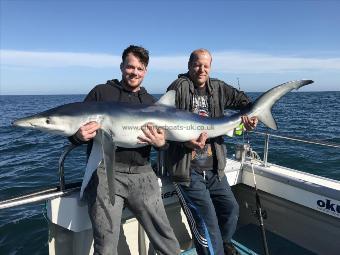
(29, 158)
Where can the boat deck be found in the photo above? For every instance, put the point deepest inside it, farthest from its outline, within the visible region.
(291, 200)
(248, 241)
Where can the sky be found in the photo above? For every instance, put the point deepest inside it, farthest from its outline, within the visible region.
(69, 46)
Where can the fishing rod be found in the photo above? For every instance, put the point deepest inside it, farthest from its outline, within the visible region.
(259, 212)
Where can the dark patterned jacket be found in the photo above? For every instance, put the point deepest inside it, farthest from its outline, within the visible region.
(221, 96)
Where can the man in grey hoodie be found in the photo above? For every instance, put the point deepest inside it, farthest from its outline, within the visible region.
(136, 185)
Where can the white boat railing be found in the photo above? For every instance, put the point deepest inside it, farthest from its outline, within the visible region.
(266, 143)
(65, 189)
(49, 193)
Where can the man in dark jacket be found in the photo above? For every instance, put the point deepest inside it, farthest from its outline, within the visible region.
(136, 185)
(197, 166)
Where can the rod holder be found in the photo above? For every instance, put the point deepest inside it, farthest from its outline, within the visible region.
(161, 172)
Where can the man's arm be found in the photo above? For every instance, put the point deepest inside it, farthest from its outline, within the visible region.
(198, 143)
(87, 132)
(238, 100)
(235, 99)
(249, 123)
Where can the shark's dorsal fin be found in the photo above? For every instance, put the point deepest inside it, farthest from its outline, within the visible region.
(168, 99)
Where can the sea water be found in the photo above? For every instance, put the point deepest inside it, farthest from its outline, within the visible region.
(29, 158)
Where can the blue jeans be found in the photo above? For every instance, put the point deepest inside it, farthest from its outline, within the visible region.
(211, 210)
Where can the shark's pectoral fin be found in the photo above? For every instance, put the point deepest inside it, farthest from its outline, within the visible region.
(267, 118)
(109, 151)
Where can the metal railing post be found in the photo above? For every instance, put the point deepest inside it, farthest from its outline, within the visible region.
(62, 158)
(265, 153)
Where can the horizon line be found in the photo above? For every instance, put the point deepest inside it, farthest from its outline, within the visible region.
(74, 94)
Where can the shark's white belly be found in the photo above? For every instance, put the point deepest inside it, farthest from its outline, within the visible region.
(125, 132)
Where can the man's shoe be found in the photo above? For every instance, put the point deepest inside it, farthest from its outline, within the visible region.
(229, 249)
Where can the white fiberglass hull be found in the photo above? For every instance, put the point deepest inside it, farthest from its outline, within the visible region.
(303, 215)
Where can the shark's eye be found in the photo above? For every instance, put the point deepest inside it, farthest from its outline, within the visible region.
(48, 121)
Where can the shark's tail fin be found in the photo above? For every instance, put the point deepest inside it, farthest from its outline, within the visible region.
(267, 118)
(263, 105)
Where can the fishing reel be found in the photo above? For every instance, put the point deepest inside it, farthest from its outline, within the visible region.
(244, 151)
(256, 212)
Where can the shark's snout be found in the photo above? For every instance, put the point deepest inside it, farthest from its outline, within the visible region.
(30, 122)
(21, 123)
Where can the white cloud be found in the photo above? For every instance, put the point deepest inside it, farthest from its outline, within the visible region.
(57, 59)
(224, 62)
(243, 62)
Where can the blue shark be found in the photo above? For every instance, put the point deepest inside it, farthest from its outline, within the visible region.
(121, 123)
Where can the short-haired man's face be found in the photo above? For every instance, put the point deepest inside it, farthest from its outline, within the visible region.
(199, 69)
(133, 72)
